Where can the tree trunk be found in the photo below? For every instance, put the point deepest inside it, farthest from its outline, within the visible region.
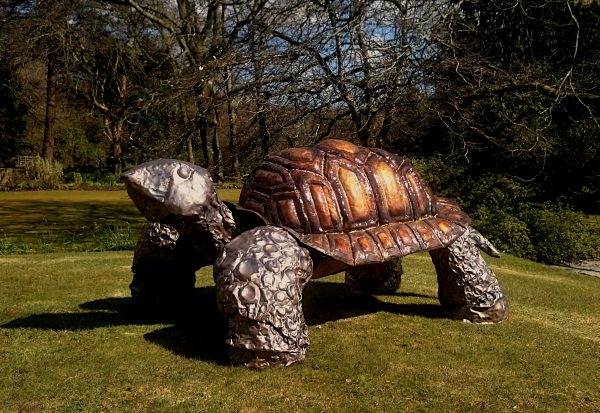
(117, 152)
(362, 132)
(51, 85)
(113, 130)
(189, 135)
(216, 148)
(189, 147)
(203, 128)
(263, 132)
(234, 161)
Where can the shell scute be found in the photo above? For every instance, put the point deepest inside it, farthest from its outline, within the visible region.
(425, 234)
(340, 247)
(406, 239)
(358, 205)
(365, 248)
(353, 192)
(343, 149)
(390, 189)
(319, 200)
(386, 242)
(304, 158)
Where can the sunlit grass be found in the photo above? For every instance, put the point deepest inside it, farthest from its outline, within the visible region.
(72, 340)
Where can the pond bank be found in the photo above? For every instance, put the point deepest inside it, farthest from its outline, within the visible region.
(589, 267)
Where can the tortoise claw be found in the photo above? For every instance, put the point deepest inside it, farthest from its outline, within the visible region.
(483, 243)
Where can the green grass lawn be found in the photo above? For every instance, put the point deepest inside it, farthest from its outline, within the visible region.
(72, 340)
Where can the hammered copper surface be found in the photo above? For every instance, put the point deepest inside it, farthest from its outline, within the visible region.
(260, 277)
(355, 204)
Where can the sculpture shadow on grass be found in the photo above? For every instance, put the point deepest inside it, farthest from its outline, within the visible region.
(326, 301)
(197, 328)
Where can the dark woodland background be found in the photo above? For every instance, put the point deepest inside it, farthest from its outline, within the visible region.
(496, 103)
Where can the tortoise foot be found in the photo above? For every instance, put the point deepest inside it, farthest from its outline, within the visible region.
(380, 278)
(488, 315)
(260, 360)
(260, 345)
(468, 288)
(164, 269)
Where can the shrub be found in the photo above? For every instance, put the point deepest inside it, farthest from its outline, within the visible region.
(8, 246)
(44, 174)
(100, 176)
(444, 177)
(543, 232)
(74, 149)
(73, 178)
(113, 237)
(503, 210)
(561, 235)
(507, 232)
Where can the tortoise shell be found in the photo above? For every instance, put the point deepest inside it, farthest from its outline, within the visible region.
(355, 204)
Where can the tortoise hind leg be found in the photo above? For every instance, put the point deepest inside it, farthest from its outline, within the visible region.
(379, 278)
(468, 288)
(259, 278)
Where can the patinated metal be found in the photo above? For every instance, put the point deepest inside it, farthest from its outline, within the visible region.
(467, 288)
(357, 205)
(305, 213)
(380, 278)
(189, 226)
(162, 266)
(260, 277)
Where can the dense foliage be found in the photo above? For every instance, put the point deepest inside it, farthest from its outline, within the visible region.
(504, 209)
(12, 111)
(500, 100)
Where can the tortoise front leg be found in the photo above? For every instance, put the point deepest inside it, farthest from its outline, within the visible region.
(259, 278)
(380, 278)
(163, 270)
(467, 288)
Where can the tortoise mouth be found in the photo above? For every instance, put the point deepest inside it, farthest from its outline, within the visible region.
(140, 179)
(158, 194)
(147, 194)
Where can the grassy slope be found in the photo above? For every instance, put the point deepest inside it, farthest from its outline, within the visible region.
(71, 340)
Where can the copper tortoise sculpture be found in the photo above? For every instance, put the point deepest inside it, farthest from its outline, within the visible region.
(304, 213)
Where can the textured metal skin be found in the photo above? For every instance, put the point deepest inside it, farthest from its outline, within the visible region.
(180, 194)
(167, 187)
(381, 278)
(189, 230)
(163, 265)
(468, 288)
(357, 205)
(259, 278)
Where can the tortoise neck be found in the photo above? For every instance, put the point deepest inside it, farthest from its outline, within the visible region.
(324, 265)
(212, 225)
(222, 226)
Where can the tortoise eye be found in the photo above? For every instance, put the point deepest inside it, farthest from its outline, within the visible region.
(184, 171)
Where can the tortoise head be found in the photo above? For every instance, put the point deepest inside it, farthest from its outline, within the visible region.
(166, 189)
